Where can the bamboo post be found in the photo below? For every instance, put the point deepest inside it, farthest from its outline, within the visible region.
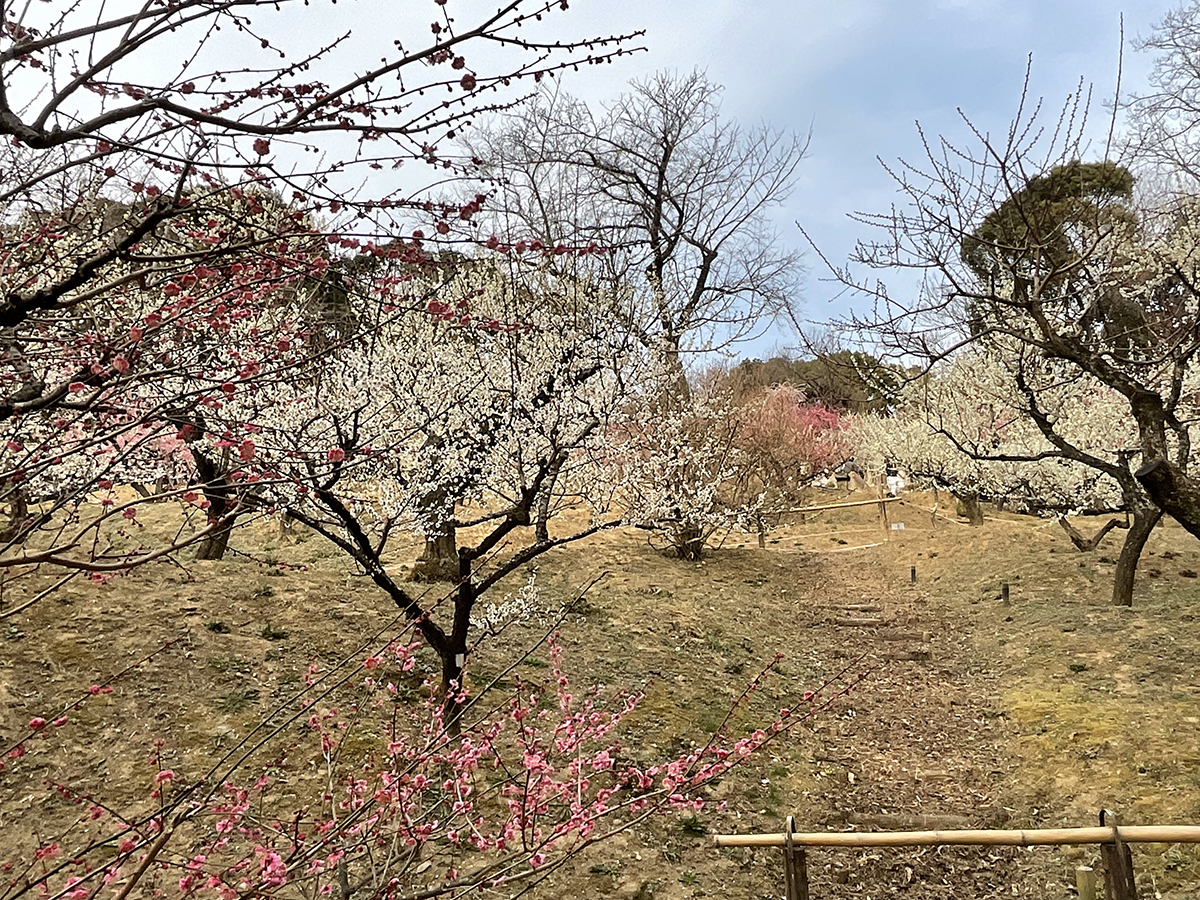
(1085, 882)
(1119, 882)
(795, 865)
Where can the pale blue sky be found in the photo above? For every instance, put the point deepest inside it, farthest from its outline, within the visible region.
(861, 73)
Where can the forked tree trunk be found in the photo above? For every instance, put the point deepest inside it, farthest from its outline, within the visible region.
(689, 541)
(970, 507)
(213, 546)
(1082, 542)
(1144, 519)
(218, 491)
(1176, 493)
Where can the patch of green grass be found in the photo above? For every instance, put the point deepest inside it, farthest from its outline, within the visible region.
(535, 663)
(218, 627)
(689, 877)
(713, 642)
(237, 700)
(612, 869)
(271, 633)
(712, 718)
(693, 825)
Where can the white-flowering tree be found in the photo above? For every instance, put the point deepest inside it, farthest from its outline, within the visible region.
(700, 468)
(1030, 246)
(678, 470)
(1014, 427)
(477, 383)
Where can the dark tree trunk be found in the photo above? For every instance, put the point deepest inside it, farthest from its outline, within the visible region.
(213, 546)
(18, 525)
(454, 656)
(680, 390)
(1145, 517)
(218, 491)
(689, 542)
(542, 524)
(1173, 491)
(970, 508)
(1081, 541)
(439, 560)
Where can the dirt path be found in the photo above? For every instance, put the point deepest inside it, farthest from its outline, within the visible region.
(917, 745)
(920, 747)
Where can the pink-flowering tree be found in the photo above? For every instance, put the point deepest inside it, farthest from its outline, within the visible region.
(157, 194)
(787, 438)
(116, 380)
(531, 782)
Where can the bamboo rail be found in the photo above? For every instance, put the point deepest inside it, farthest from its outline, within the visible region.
(1132, 834)
(808, 509)
(1114, 840)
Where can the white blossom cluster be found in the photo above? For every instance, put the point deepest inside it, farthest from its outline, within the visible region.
(969, 427)
(515, 609)
(465, 389)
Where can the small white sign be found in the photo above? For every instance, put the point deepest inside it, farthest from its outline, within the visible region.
(897, 526)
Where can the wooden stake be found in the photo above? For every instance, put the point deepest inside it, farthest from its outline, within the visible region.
(1119, 883)
(762, 535)
(913, 575)
(1004, 594)
(1085, 882)
(795, 865)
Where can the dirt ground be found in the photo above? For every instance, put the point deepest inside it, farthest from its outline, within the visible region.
(974, 713)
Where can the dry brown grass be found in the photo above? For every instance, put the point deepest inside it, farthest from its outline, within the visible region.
(1034, 714)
